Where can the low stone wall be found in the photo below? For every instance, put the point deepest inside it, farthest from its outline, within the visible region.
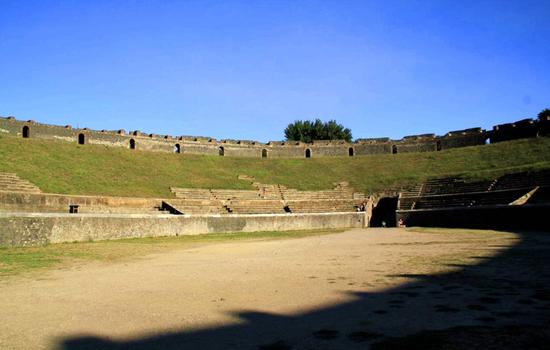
(28, 229)
(59, 203)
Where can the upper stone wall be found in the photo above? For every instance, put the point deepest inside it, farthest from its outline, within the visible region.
(272, 149)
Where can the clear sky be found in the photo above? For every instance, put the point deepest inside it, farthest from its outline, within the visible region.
(246, 69)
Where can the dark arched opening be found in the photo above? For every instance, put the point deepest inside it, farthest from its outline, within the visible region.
(438, 145)
(26, 132)
(221, 151)
(177, 148)
(81, 139)
(394, 149)
(264, 153)
(132, 144)
(308, 153)
(351, 152)
(383, 214)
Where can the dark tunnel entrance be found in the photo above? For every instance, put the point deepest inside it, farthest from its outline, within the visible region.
(384, 211)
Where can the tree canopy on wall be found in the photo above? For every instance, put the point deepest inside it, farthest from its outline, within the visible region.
(544, 113)
(307, 131)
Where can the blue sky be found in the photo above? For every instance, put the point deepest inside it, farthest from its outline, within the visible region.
(246, 69)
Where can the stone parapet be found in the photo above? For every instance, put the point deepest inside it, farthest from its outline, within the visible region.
(137, 140)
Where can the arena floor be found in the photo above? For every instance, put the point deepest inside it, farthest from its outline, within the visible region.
(358, 289)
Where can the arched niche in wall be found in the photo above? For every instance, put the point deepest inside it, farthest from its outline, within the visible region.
(264, 153)
(81, 139)
(177, 148)
(351, 152)
(26, 132)
(221, 151)
(438, 145)
(308, 153)
(132, 144)
(394, 149)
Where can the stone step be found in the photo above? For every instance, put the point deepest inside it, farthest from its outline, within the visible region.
(10, 182)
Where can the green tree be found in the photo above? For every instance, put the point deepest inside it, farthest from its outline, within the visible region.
(307, 131)
(544, 113)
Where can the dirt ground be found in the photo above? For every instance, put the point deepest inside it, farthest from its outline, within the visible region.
(357, 289)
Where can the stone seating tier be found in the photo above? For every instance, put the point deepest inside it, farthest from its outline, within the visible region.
(316, 195)
(10, 182)
(257, 207)
(453, 185)
(502, 197)
(523, 180)
(321, 206)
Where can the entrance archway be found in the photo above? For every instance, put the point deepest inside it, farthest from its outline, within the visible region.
(26, 132)
(351, 152)
(308, 153)
(177, 148)
(132, 144)
(81, 139)
(264, 153)
(221, 152)
(384, 212)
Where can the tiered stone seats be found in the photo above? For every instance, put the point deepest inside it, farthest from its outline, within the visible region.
(10, 182)
(214, 194)
(503, 197)
(194, 206)
(191, 193)
(269, 191)
(234, 194)
(321, 206)
(523, 180)
(454, 192)
(292, 194)
(407, 203)
(261, 206)
(265, 199)
(432, 202)
(453, 185)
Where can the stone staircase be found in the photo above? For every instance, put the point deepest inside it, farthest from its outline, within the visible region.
(10, 182)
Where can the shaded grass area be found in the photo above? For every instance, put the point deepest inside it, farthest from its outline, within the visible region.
(16, 261)
(67, 168)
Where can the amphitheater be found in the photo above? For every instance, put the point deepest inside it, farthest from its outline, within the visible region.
(31, 217)
(362, 282)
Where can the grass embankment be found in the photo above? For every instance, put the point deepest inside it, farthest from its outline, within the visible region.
(67, 168)
(16, 261)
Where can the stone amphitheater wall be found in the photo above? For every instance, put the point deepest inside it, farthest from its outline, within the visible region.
(272, 149)
(30, 229)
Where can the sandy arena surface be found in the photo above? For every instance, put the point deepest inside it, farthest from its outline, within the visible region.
(339, 291)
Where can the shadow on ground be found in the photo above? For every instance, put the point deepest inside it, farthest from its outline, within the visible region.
(501, 303)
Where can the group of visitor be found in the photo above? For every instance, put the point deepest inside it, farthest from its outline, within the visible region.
(362, 206)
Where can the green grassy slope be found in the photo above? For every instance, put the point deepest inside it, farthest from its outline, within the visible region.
(61, 167)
